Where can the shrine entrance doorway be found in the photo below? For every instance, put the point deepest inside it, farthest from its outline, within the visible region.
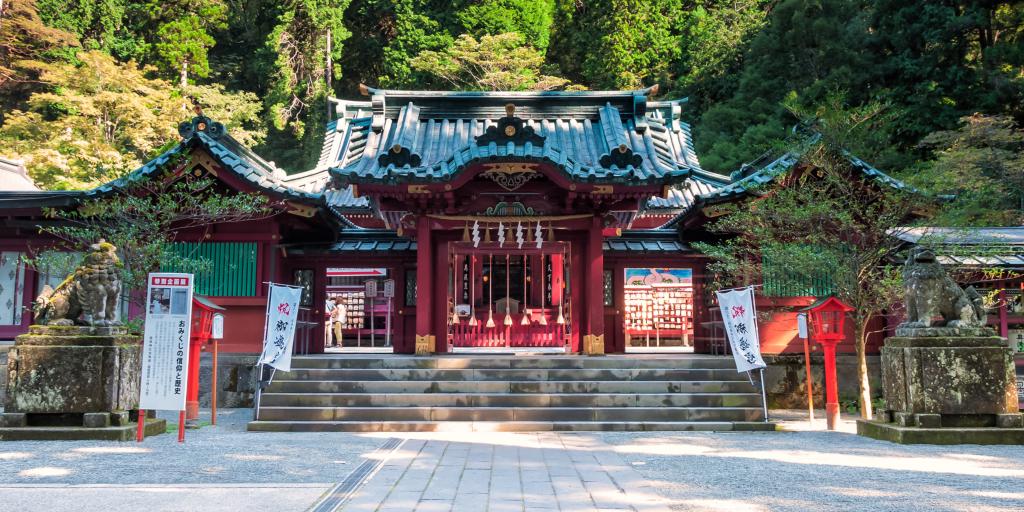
(509, 298)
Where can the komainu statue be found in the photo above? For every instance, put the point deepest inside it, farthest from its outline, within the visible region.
(88, 296)
(931, 294)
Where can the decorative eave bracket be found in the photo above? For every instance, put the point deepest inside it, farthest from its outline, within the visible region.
(510, 129)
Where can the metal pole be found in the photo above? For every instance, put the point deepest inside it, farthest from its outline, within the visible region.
(140, 431)
(181, 426)
(213, 390)
(810, 390)
(764, 397)
(259, 392)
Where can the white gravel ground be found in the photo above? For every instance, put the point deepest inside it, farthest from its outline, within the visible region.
(822, 471)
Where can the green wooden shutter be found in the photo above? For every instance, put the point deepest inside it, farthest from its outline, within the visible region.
(779, 282)
(233, 267)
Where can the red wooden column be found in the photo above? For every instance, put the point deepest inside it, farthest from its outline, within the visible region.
(593, 340)
(424, 287)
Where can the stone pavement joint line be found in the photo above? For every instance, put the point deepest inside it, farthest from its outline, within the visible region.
(505, 471)
(340, 492)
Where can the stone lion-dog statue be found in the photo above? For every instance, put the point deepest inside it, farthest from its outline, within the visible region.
(89, 296)
(932, 294)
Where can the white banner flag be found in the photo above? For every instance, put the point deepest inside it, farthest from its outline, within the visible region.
(740, 319)
(166, 338)
(279, 333)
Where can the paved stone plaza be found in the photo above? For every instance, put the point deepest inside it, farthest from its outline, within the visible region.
(225, 468)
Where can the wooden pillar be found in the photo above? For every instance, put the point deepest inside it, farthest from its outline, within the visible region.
(593, 340)
(1004, 327)
(424, 288)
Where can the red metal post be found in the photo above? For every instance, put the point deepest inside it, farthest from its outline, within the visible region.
(192, 393)
(140, 429)
(181, 427)
(831, 387)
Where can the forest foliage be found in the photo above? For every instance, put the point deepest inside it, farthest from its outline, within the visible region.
(90, 89)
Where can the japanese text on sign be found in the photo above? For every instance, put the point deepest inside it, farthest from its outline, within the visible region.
(739, 317)
(166, 337)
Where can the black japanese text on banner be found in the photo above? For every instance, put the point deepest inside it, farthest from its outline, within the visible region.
(282, 313)
(166, 339)
(740, 320)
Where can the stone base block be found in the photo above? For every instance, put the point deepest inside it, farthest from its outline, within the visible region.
(929, 420)
(1010, 421)
(118, 433)
(13, 419)
(945, 436)
(119, 418)
(96, 419)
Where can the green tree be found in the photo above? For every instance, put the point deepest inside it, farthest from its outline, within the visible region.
(145, 218)
(531, 18)
(99, 119)
(824, 213)
(811, 46)
(982, 163)
(182, 36)
(495, 63)
(715, 35)
(100, 25)
(616, 43)
(24, 37)
(307, 42)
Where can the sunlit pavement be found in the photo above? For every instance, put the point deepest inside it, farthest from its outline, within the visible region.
(224, 468)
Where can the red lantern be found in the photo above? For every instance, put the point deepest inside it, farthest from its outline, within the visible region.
(202, 326)
(828, 317)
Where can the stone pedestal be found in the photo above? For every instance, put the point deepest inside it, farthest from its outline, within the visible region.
(943, 389)
(69, 379)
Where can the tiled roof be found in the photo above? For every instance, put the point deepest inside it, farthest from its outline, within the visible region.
(653, 240)
(682, 196)
(309, 186)
(750, 177)
(421, 136)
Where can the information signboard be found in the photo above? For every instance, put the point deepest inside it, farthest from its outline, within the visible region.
(389, 289)
(165, 341)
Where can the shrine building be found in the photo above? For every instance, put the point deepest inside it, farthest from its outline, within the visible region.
(543, 222)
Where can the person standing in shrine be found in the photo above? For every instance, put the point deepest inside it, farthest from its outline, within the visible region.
(329, 321)
(338, 316)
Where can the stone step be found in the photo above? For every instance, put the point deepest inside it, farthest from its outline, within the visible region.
(663, 361)
(510, 400)
(460, 386)
(554, 414)
(493, 374)
(512, 426)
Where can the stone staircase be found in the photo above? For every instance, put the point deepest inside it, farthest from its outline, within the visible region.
(364, 393)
